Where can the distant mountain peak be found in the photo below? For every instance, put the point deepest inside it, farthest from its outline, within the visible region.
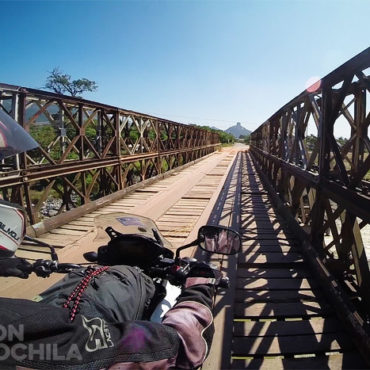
(238, 130)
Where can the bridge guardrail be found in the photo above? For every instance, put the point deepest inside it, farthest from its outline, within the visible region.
(89, 150)
(324, 179)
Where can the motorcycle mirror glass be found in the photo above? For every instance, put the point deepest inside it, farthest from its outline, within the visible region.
(218, 239)
(91, 256)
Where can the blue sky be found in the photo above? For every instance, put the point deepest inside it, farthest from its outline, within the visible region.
(205, 62)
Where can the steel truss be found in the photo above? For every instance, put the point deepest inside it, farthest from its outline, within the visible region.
(323, 179)
(89, 150)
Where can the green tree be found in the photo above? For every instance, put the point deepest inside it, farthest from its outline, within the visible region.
(225, 138)
(44, 135)
(62, 83)
(342, 141)
(310, 141)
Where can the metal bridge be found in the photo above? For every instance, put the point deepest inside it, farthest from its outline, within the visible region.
(299, 196)
(89, 150)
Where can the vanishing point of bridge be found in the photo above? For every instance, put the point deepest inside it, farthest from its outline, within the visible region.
(300, 294)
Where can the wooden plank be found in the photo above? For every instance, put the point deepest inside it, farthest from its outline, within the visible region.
(175, 219)
(147, 191)
(276, 284)
(254, 272)
(70, 226)
(126, 202)
(58, 239)
(277, 328)
(62, 231)
(88, 217)
(118, 203)
(250, 204)
(34, 248)
(250, 249)
(256, 197)
(175, 241)
(296, 344)
(82, 223)
(249, 209)
(175, 234)
(178, 219)
(347, 360)
(281, 309)
(184, 212)
(264, 229)
(138, 195)
(261, 227)
(261, 213)
(197, 196)
(32, 255)
(278, 242)
(250, 295)
(189, 207)
(261, 223)
(267, 236)
(168, 229)
(280, 258)
(253, 221)
(260, 216)
(121, 208)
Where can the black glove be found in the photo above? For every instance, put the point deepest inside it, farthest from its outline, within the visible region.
(204, 271)
(15, 266)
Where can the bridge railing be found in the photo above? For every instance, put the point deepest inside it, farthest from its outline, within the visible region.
(323, 177)
(89, 150)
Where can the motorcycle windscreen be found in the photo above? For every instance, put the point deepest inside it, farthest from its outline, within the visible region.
(13, 138)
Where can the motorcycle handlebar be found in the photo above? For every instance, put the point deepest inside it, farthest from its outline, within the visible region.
(44, 268)
(177, 273)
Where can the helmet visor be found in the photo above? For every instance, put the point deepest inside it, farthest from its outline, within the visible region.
(13, 138)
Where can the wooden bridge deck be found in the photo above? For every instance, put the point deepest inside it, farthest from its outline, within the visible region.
(179, 204)
(275, 315)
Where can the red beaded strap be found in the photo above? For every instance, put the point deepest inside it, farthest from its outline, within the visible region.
(80, 288)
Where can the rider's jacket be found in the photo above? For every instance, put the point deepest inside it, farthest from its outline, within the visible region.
(41, 335)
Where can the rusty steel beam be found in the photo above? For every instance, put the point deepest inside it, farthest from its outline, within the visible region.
(89, 150)
(347, 312)
(355, 201)
(324, 180)
(38, 173)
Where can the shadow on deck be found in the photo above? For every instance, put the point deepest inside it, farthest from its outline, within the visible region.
(274, 315)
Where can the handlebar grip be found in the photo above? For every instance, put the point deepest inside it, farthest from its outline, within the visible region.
(44, 268)
(67, 267)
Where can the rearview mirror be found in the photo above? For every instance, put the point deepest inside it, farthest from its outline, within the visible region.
(219, 239)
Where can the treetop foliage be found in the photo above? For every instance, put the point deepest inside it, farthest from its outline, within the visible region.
(62, 83)
(225, 138)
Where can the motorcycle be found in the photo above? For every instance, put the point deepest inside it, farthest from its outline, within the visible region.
(132, 240)
(136, 241)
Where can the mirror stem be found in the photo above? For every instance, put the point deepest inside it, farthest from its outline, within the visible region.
(192, 244)
(53, 254)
